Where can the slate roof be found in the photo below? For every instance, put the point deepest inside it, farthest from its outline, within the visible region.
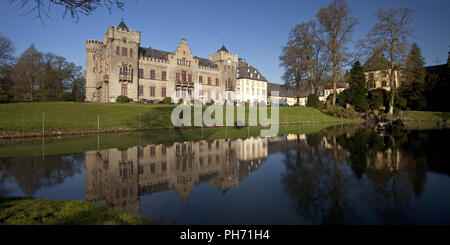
(223, 49)
(205, 62)
(244, 70)
(122, 25)
(154, 53)
(284, 91)
(376, 62)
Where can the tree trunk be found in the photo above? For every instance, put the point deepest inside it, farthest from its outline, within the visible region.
(334, 78)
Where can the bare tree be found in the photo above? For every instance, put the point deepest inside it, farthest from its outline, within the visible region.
(6, 50)
(390, 37)
(303, 58)
(336, 25)
(41, 8)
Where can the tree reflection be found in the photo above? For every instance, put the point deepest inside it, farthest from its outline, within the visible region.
(316, 182)
(323, 172)
(32, 173)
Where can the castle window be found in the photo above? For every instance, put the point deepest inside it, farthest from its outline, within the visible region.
(217, 95)
(190, 78)
(124, 51)
(217, 81)
(141, 90)
(152, 168)
(177, 77)
(141, 73)
(200, 79)
(183, 76)
(131, 52)
(163, 92)
(164, 166)
(93, 57)
(117, 50)
(120, 72)
(209, 80)
(163, 150)
(152, 91)
(124, 90)
(152, 150)
(152, 74)
(164, 76)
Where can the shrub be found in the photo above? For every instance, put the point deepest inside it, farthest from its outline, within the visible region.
(339, 111)
(313, 101)
(122, 99)
(377, 98)
(180, 101)
(167, 100)
(66, 96)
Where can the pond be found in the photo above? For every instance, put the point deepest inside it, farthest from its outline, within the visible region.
(322, 175)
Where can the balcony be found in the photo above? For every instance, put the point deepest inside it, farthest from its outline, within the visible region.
(126, 77)
(229, 88)
(184, 83)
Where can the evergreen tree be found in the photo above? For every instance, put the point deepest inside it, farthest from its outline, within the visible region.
(357, 88)
(413, 88)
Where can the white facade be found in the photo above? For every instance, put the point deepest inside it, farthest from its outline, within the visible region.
(252, 91)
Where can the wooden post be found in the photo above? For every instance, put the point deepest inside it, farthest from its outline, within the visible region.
(43, 124)
(98, 124)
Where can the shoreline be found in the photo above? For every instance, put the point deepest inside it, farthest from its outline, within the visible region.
(59, 134)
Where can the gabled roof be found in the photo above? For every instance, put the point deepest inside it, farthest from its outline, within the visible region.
(376, 62)
(122, 25)
(244, 70)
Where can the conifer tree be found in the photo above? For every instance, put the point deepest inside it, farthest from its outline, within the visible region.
(358, 88)
(413, 88)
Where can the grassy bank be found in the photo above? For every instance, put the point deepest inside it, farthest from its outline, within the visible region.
(422, 115)
(21, 211)
(26, 119)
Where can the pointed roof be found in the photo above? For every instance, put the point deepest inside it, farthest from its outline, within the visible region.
(223, 49)
(123, 25)
(376, 62)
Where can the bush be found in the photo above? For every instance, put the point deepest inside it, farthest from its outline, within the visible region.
(313, 101)
(378, 98)
(344, 98)
(66, 96)
(167, 100)
(180, 101)
(122, 99)
(339, 111)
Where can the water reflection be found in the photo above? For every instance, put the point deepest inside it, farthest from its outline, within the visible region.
(118, 176)
(341, 175)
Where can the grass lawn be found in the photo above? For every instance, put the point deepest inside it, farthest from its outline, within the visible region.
(422, 115)
(23, 211)
(69, 117)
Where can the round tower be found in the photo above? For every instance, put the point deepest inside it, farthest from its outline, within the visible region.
(93, 52)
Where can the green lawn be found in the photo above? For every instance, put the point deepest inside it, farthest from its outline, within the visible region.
(422, 115)
(68, 117)
(23, 211)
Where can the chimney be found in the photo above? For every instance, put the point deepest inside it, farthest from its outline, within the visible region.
(240, 61)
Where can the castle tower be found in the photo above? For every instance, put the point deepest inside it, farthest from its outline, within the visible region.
(121, 63)
(227, 62)
(93, 53)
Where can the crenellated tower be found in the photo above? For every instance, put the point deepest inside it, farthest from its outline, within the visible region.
(94, 50)
(121, 66)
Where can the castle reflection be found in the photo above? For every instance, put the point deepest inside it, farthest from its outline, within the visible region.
(117, 177)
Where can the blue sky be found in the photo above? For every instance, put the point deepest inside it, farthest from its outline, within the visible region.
(256, 30)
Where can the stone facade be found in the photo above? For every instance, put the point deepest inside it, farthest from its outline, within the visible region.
(118, 65)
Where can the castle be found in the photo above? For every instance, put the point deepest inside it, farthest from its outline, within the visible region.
(120, 66)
